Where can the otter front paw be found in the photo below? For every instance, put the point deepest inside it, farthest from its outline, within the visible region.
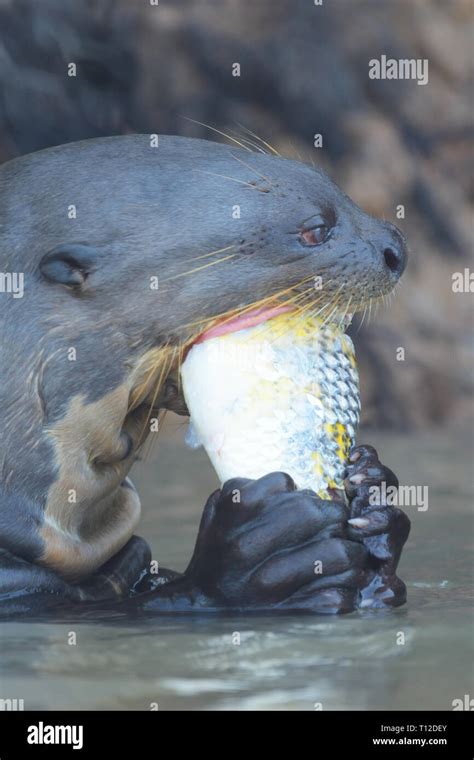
(382, 529)
(264, 546)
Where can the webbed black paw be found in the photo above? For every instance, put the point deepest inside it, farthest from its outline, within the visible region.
(262, 545)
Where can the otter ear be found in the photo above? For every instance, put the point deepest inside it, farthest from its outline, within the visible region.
(69, 264)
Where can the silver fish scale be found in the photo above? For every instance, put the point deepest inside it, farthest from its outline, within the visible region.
(332, 371)
(280, 396)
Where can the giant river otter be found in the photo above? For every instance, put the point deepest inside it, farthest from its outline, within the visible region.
(127, 248)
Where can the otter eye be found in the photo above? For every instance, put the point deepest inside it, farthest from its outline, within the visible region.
(315, 236)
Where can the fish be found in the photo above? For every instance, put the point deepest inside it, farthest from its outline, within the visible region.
(282, 395)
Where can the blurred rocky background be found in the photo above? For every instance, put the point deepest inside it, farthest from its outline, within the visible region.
(304, 70)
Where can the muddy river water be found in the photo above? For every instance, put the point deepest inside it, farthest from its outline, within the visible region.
(419, 656)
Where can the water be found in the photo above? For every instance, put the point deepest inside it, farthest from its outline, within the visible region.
(349, 662)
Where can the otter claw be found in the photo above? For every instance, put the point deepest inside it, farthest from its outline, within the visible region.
(382, 530)
(359, 522)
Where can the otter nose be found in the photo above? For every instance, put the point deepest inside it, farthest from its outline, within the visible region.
(394, 250)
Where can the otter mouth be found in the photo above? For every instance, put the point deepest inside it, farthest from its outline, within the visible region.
(257, 317)
(242, 321)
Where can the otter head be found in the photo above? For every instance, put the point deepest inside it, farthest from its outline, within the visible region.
(130, 251)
